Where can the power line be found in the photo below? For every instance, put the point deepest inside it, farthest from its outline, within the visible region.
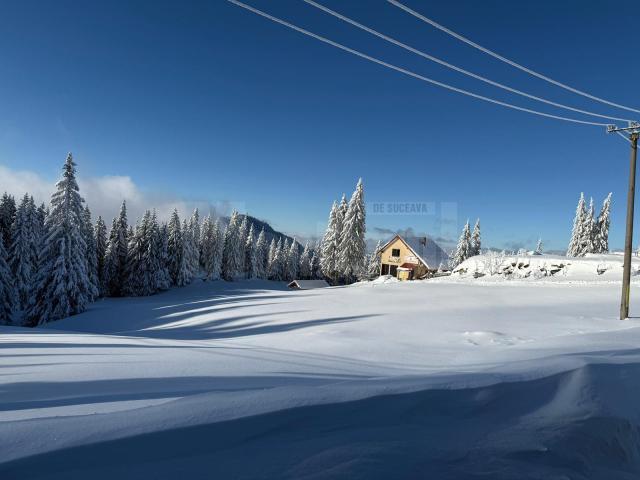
(453, 67)
(506, 60)
(408, 72)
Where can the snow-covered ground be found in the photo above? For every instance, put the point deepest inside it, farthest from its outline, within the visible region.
(452, 377)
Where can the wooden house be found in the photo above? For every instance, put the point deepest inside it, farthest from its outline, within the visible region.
(411, 258)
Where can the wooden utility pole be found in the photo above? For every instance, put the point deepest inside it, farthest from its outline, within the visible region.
(633, 132)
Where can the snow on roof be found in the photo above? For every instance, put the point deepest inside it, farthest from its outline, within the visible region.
(428, 251)
(308, 284)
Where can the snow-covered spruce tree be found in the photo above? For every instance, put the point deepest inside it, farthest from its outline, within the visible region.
(243, 233)
(91, 254)
(262, 256)
(539, 247)
(7, 215)
(189, 253)
(207, 245)
(159, 255)
(7, 289)
(330, 242)
(162, 279)
(116, 257)
(316, 269)
(588, 231)
(232, 249)
(250, 258)
(194, 229)
(292, 260)
(577, 233)
(138, 281)
(100, 239)
(373, 266)
(476, 241)
(276, 267)
(23, 254)
(463, 249)
(177, 265)
(601, 242)
(273, 247)
(62, 286)
(305, 263)
(218, 235)
(352, 246)
(147, 272)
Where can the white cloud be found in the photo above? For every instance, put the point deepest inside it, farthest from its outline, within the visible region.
(105, 194)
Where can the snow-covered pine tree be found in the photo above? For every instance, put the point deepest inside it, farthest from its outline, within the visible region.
(194, 229)
(7, 288)
(23, 254)
(137, 280)
(189, 253)
(91, 254)
(177, 266)
(276, 268)
(262, 256)
(539, 247)
(250, 259)
(604, 219)
(40, 230)
(316, 269)
(373, 267)
(7, 215)
(207, 245)
(305, 263)
(352, 247)
(62, 287)
(292, 261)
(157, 256)
(243, 233)
(232, 249)
(577, 233)
(463, 248)
(330, 242)
(476, 241)
(218, 235)
(100, 239)
(273, 248)
(161, 236)
(587, 242)
(115, 263)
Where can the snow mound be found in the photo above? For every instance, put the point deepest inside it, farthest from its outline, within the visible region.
(492, 338)
(495, 265)
(385, 279)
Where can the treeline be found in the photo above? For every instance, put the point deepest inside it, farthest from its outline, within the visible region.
(54, 261)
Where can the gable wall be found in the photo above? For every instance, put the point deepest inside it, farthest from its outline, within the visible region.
(406, 255)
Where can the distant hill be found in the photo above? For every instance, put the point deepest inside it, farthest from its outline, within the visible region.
(269, 232)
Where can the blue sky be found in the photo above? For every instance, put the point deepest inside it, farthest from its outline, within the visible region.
(207, 102)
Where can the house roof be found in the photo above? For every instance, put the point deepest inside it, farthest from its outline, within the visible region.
(308, 284)
(428, 251)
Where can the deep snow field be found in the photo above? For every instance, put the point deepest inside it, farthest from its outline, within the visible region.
(452, 377)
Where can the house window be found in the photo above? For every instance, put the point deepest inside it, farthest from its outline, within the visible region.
(395, 252)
